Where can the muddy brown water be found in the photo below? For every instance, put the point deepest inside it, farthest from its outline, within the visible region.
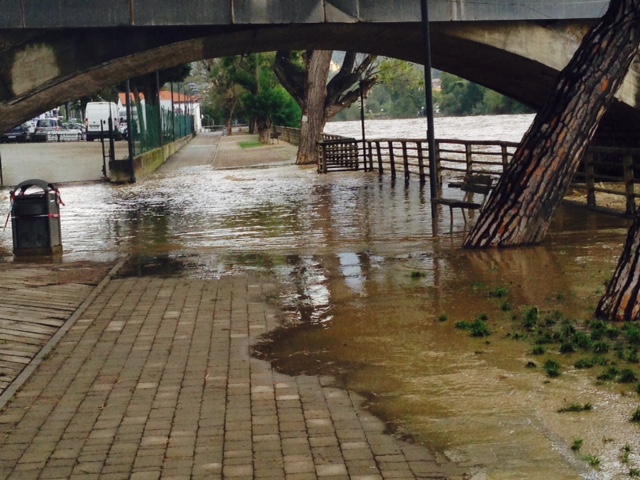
(370, 294)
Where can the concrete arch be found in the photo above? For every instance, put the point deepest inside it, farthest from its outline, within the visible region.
(42, 69)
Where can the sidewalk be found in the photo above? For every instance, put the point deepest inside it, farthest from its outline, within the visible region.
(154, 379)
(231, 153)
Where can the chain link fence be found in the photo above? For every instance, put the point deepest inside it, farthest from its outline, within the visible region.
(153, 127)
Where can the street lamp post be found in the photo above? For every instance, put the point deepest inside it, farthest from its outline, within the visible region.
(364, 139)
(428, 89)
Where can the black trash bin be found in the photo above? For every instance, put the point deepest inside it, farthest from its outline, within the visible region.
(35, 219)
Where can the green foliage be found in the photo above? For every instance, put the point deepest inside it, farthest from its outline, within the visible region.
(635, 417)
(576, 407)
(601, 347)
(583, 363)
(592, 460)
(249, 144)
(567, 347)
(577, 444)
(400, 92)
(461, 97)
(478, 327)
(583, 341)
(609, 375)
(246, 87)
(530, 318)
(552, 368)
(498, 292)
(633, 333)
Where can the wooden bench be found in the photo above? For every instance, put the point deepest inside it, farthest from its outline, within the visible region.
(471, 184)
(275, 137)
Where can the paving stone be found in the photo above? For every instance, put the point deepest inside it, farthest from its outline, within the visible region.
(157, 382)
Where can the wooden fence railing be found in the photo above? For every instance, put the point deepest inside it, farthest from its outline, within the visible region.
(292, 135)
(613, 171)
(604, 170)
(407, 157)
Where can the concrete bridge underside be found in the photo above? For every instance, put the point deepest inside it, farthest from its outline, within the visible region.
(41, 69)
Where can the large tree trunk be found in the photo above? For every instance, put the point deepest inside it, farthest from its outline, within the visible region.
(521, 207)
(621, 301)
(313, 113)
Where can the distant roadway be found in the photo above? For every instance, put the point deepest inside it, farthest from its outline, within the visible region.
(54, 162)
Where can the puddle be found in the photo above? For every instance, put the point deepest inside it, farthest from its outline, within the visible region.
(390, 334)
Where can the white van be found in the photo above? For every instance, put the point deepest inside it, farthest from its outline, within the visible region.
(96, 120)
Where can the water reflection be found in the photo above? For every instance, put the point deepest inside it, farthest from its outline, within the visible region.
(370, 295)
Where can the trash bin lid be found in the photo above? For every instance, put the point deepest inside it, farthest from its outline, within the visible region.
(34, 182)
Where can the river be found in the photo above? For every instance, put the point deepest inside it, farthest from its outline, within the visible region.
(371, 296)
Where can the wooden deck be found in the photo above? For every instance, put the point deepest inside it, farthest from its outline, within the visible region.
(35, 301)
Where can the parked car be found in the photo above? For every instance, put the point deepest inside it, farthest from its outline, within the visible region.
(74, 126)
(43, 127)
(16, 134)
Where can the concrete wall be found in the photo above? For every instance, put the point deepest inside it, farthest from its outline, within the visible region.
(145, 164)
(117, 13)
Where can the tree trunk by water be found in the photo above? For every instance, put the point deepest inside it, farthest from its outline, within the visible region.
(621, 301)
(308, 85)
(521, 207)
(313, 114)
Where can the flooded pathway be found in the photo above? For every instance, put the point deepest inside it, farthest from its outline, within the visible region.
(371, 293)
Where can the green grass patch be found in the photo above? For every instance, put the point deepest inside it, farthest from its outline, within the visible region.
(478, 327)
(552, 368)
(498, 292)
(576, 407)
(250, 144)
(577, 444)
(592, 460)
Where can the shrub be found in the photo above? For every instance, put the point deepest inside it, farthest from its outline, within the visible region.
(478, 327)
(498, 292)
(552, 368)
(601, 347)
(610, 374)
(583, 341)
(627, 376)
(530, 318)
(576, 407)
(584, 363)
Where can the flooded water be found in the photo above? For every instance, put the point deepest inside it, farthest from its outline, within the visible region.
(507, 128)
(371, 291)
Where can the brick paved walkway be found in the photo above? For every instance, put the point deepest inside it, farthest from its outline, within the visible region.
(155, 380)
